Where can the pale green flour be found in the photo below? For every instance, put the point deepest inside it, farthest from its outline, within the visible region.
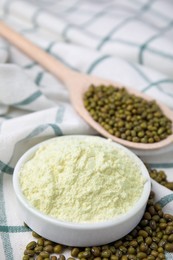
(82, 180)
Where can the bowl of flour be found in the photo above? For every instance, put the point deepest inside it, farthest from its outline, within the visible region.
(81, 190)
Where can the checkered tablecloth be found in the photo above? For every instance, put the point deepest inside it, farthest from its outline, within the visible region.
(128, 41)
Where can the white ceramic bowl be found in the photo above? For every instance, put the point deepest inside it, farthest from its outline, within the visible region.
(78, 234)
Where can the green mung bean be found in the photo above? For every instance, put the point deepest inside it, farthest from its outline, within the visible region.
(40, 241)
(95, 251)
(39, 257)
(62, 257)
(86, 254)
(151, 257)
(38, 249)
(53, 257)
(169, 247)
(168, 217)
(58, 249)
(113, 257)
(34, 234)
(131, 250)
(75, 252)
(31, 245)
(29, 252)
(48, 248)
(170, 238)
(44, 254)
(106, 253)
(47, 242)
(124, 257)
(25, 257)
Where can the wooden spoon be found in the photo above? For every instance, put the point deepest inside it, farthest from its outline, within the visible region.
(77, 84)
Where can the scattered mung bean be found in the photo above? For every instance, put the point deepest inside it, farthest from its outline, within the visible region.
(48, 248)
(34, 234)
(31, 245)
(53, 257)
(25, 257)
(44, 254)
(58, 249)
(62, 257)
(75, 252)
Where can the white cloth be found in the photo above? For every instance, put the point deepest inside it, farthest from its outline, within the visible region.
(125, 41)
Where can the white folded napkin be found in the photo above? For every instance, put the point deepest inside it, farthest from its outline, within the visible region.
(110, 39)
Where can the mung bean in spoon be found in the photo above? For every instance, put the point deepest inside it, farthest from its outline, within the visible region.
(78, 84)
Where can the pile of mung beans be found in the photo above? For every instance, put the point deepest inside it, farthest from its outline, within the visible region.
(127, 116)
(148, 241)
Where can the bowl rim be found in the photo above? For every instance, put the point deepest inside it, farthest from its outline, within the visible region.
(84, 225)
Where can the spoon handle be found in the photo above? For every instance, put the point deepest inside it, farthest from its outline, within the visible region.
(37, 54)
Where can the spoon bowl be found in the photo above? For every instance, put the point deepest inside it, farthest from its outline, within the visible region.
(84, 81)
(78, 83)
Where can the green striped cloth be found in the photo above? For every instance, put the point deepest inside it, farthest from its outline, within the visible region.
(125, 41)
